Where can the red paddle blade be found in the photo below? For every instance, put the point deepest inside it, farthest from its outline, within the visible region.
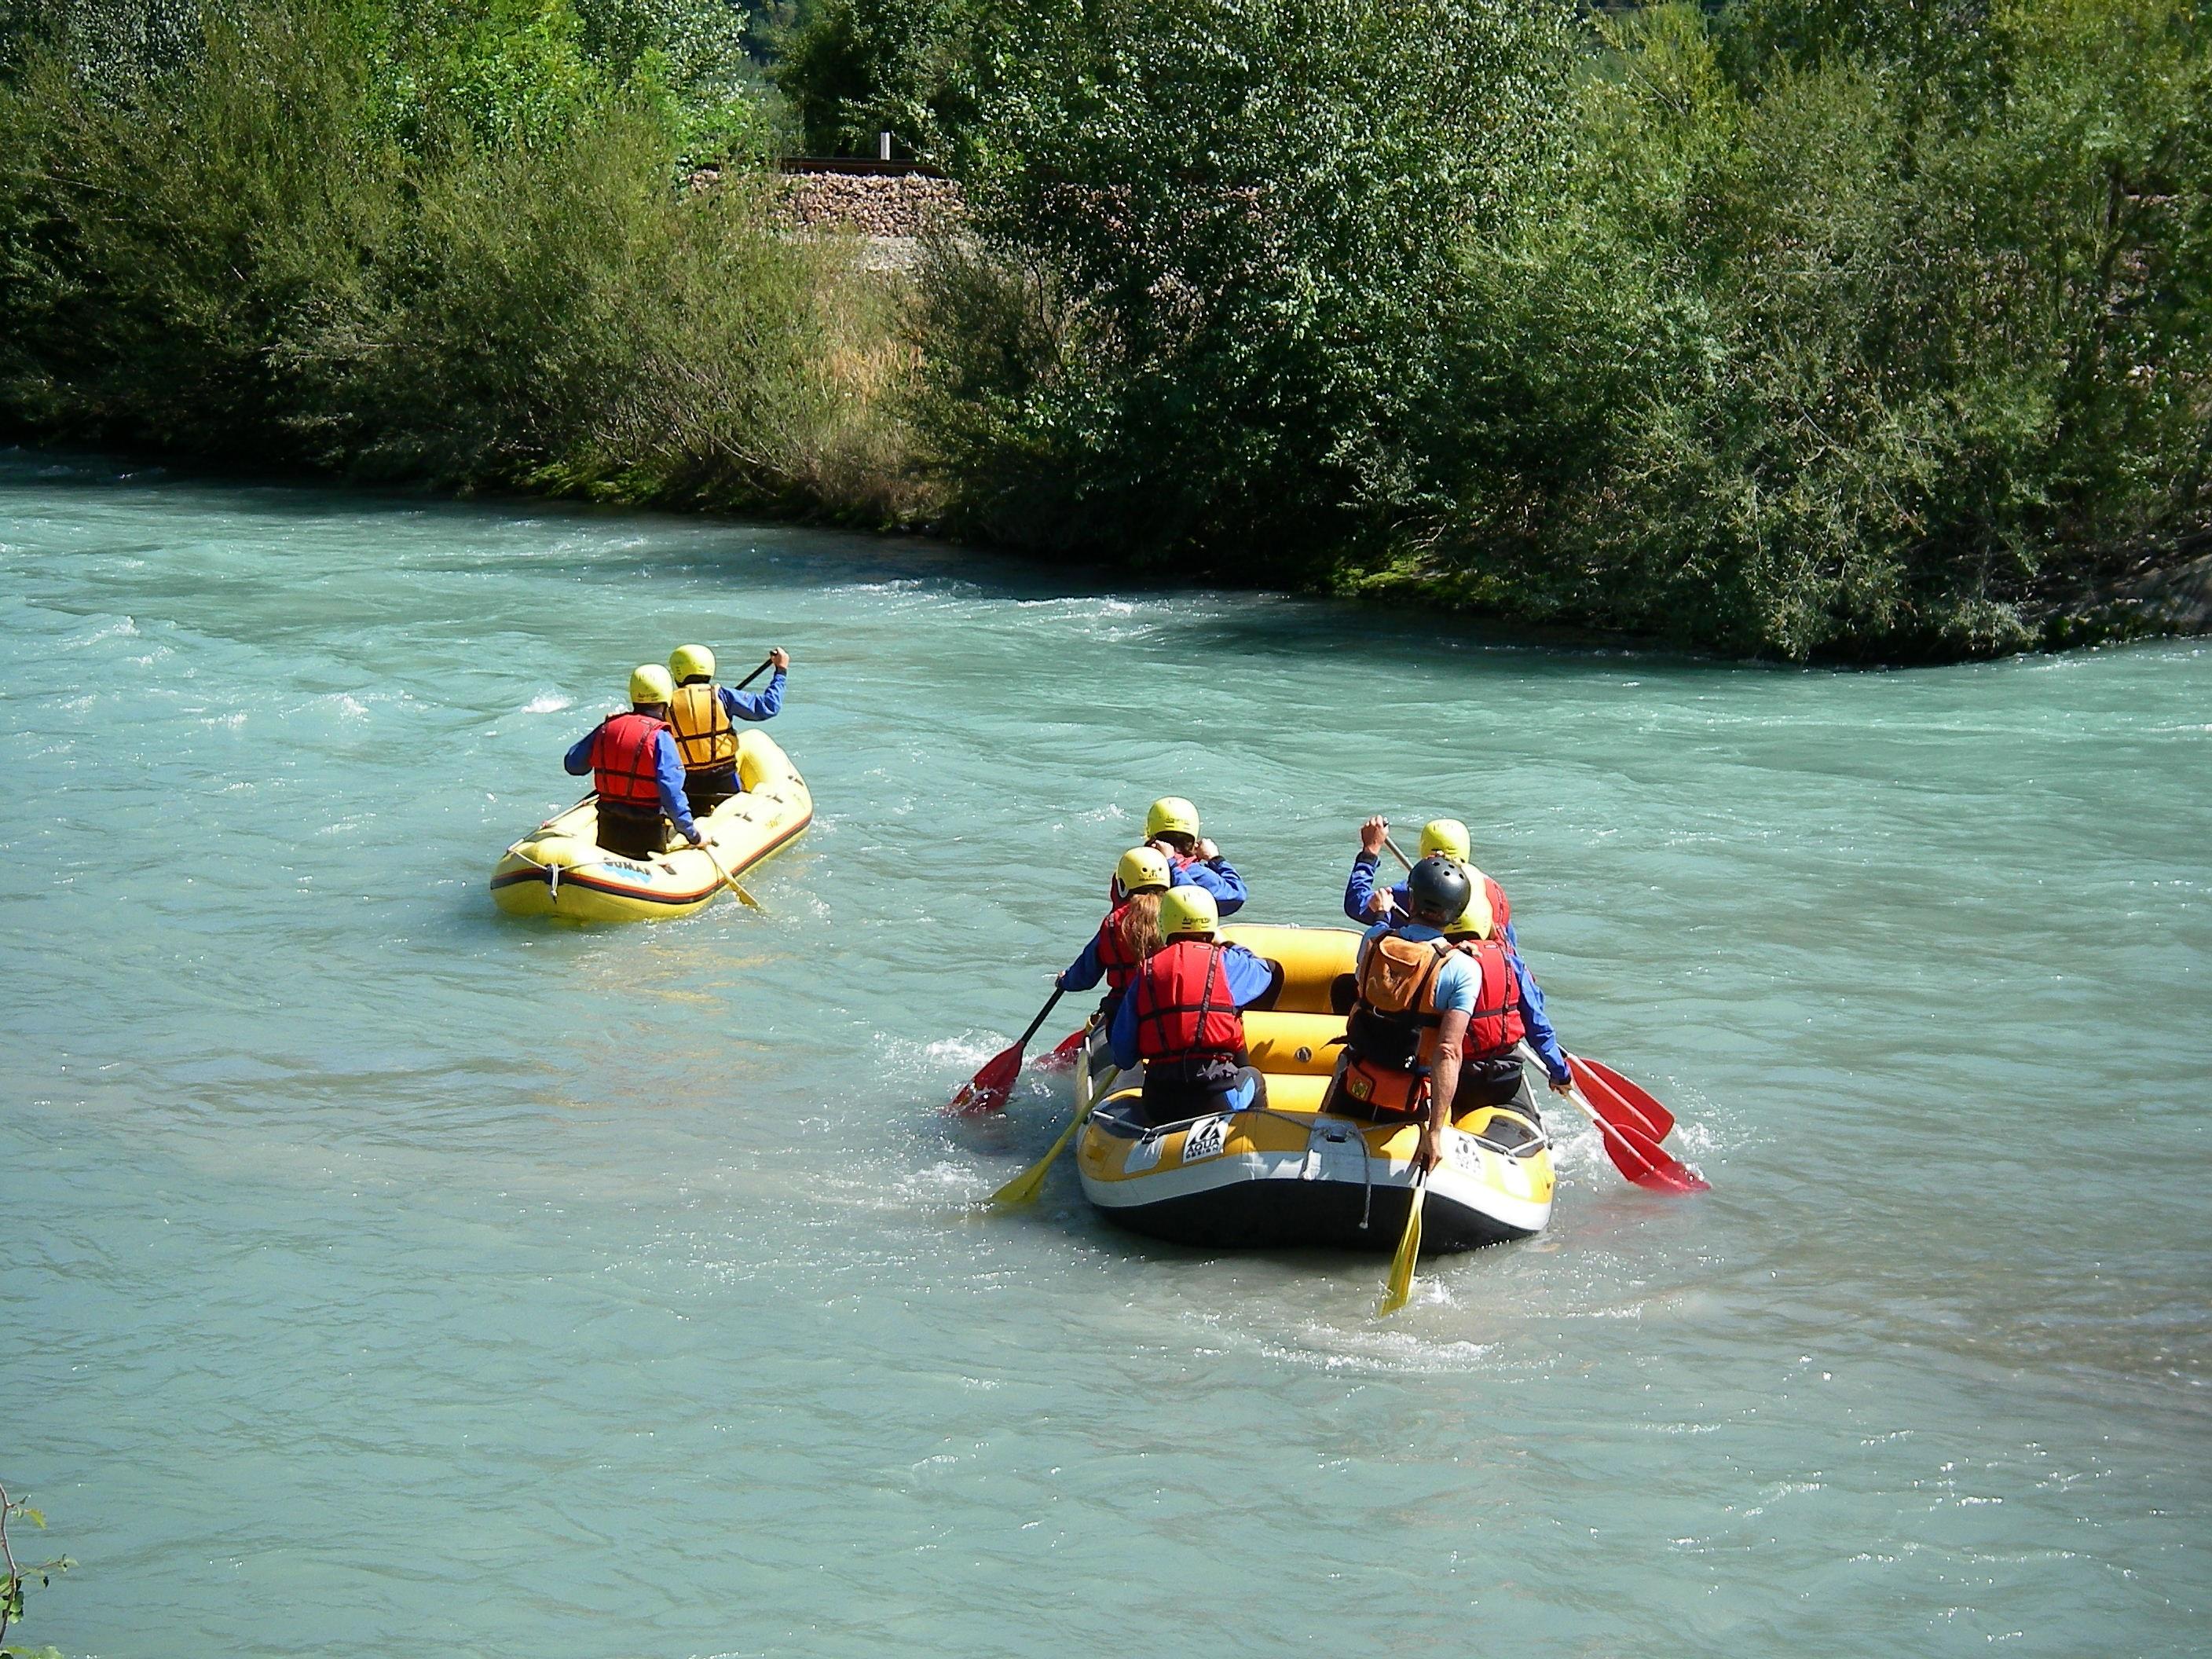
(1636, 1102)
(1064, 1056)
(1642, 1158)
(987, 1090)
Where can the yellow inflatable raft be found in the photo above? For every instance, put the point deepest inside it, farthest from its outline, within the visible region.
(562, 870)
(1287, 1174)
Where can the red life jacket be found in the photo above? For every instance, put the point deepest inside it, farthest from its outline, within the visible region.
(626, 760)
(1183, 1006)
(1495, 1025)
(1114, 953)
(1501, 910)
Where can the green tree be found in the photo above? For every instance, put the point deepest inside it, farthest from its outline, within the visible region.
(1805, 362)
(853, 69)
(1226, 241)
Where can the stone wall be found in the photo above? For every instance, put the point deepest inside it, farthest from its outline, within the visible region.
(884, 206)
(875, 205)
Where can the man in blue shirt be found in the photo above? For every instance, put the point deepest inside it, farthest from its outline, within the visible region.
(1442, 1012)
(634, 770)
(1447, 836)
(1171, 825)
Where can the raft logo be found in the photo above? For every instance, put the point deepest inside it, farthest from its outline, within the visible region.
(1206, 1139)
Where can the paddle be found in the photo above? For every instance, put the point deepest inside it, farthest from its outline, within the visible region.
(1063, 1056)
(1409, 1250)
(1635, 1101)
(729, 880)
(1024, 1187)
(765, 663)
(1634, 1109)
(987, 1090)
(1639, 1157)
(540, 830)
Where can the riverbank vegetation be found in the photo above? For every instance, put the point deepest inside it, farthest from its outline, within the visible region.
(445, 243)
(1787, 327)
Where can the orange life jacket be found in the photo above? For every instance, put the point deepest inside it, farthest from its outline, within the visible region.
(1184, 1011)
(626, 760)
(704, 737)
(1390, 1038)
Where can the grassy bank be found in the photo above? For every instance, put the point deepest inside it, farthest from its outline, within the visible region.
(1794, 329)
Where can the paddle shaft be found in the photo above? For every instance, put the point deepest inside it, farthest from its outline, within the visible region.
(730, 881)
(1043, 1014)
(756, 673)
(556, 819)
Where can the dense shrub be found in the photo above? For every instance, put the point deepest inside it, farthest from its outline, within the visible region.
(1228, 243)
(1791, 351)
(1801, 327)
(457, 253)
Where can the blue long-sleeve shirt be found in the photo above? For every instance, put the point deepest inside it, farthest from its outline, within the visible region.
(667, 770)
(1248, 977)
(1216, 876)
(1085, 971)
(1359, 888)
(1538, 1024)
(761, 705)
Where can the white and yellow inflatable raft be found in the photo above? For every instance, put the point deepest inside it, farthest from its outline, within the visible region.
(561, 870)
(1287, 1174)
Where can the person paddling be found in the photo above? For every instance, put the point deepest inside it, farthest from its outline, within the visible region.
(1364, 903)
(1508, 1008)
(700, 713)
(1129, 933)
(1425, 1009)
(634, 766)
(1182, 1016)
(1171, 825)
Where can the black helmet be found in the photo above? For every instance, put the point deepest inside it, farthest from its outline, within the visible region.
(1438, 890)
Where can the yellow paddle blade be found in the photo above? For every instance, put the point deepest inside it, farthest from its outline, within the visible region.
(730, 881)
(1024, 1187)
(1409, 1251)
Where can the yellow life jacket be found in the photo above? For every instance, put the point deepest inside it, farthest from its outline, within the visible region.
(704, 737)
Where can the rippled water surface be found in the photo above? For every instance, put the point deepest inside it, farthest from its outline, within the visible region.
(383, 1275)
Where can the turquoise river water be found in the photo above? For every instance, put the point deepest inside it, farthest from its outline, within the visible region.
(382, 1274)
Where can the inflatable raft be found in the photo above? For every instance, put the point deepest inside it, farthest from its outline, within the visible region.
(1287, 1174)
(562, 870)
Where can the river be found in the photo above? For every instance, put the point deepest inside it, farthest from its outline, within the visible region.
(381, 1273)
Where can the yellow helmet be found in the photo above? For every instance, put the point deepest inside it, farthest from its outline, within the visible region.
(1448, 836)
(1476, 921)
(1171, 815)
(1141, 867)
(687, 660)
(649, 682)
(1187, 910)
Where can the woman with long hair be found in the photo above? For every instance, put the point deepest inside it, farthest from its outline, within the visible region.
(1130, 932)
